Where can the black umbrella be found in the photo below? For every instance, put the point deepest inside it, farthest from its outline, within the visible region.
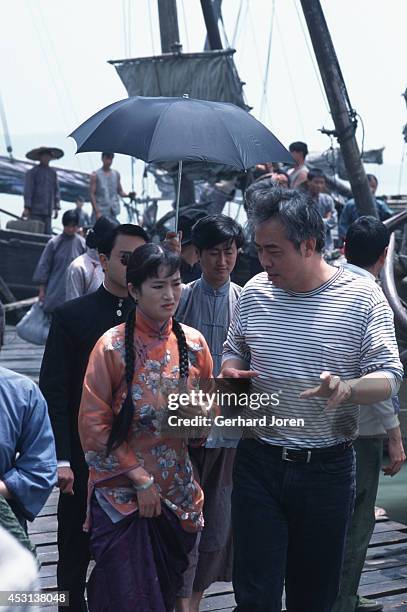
(179, 130)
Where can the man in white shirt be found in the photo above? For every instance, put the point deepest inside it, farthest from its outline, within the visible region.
(365, 250)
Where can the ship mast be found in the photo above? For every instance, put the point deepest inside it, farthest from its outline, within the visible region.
(344, 117)
(211, 25)
(169, 31)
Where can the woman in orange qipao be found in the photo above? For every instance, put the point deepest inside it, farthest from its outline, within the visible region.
(145, 508)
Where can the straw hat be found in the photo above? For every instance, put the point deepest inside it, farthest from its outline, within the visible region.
(34, 154)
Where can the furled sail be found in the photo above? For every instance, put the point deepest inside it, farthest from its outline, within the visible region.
(209, 75)
(72, 184)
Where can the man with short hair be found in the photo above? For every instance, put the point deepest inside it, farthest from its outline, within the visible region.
(366, 245)
(76, 327)
(52, 267)
(316, 186)
(298, 324)
(350, 212)
(41, 188)
(299, 174)
(105, 189)
(207, 304)
(83, 217)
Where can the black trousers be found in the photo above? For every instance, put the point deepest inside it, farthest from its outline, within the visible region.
(73, 542)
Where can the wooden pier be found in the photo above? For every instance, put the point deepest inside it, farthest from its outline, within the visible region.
(384, 576)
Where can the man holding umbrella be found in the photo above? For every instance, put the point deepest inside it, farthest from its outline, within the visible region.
(41, 189)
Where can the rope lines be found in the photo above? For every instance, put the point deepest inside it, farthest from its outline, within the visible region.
(312, 57)
(6, 132)
(184, 19)
(150, 20)
(291, 80)
(267, 68)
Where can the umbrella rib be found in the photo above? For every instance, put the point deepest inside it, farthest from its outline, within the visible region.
(159, 121)
(99, 124)
(242, 166)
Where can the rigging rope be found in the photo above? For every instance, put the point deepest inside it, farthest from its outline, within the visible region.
(264, 94)
(312, 57)
(151, 25)
(267, 68)
(223, 26)
(6, 132)
(185, 25)
(130, 26)
(291, 80)
(124, 27)
(234, 37)
(62, 93)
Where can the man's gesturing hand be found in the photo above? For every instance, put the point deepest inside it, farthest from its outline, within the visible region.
(234, 373)
(332, 387)
(65, 480)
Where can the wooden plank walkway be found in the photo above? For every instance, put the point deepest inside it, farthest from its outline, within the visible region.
(384, 576)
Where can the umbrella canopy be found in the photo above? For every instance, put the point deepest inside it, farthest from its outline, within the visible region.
(181, 129)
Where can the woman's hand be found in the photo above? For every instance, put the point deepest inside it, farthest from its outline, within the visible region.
(149, 502)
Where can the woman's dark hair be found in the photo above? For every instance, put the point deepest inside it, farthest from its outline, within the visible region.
(70, 217)
(104, 234)
(144, 263)
(215, 229)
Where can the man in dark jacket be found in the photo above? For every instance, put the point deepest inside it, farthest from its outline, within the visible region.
(75, 328)
(41, 189)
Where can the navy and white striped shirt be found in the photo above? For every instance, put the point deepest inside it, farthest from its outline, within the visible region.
(345, 326)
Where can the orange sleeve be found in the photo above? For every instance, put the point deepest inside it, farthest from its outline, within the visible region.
(104, 376)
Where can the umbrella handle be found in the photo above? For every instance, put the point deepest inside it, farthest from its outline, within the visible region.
(178, 195)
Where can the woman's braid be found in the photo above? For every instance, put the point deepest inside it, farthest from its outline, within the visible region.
(182, 350)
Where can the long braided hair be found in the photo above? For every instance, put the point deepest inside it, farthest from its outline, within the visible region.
(144, 263)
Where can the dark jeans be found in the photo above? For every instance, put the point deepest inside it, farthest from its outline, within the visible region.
(289, 525)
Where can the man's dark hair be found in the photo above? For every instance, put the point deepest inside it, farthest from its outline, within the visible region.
(104, 234)
(215, 229)
(316, 173)
(70, 217)
(299, 146)
(295, 210)
(372, 177)
(107, 154)
(365, 241)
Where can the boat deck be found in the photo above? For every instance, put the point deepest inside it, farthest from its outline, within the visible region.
(384, 576)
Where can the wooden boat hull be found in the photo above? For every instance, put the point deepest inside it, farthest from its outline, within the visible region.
(19, 255)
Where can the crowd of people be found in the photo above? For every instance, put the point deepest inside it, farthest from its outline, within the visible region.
(163, 514)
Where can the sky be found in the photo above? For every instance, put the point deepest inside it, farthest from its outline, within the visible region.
(54, 72)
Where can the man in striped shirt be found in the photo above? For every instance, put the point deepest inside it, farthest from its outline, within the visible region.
(323, 339)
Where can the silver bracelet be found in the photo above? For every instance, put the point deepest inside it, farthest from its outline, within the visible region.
(146, 485)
